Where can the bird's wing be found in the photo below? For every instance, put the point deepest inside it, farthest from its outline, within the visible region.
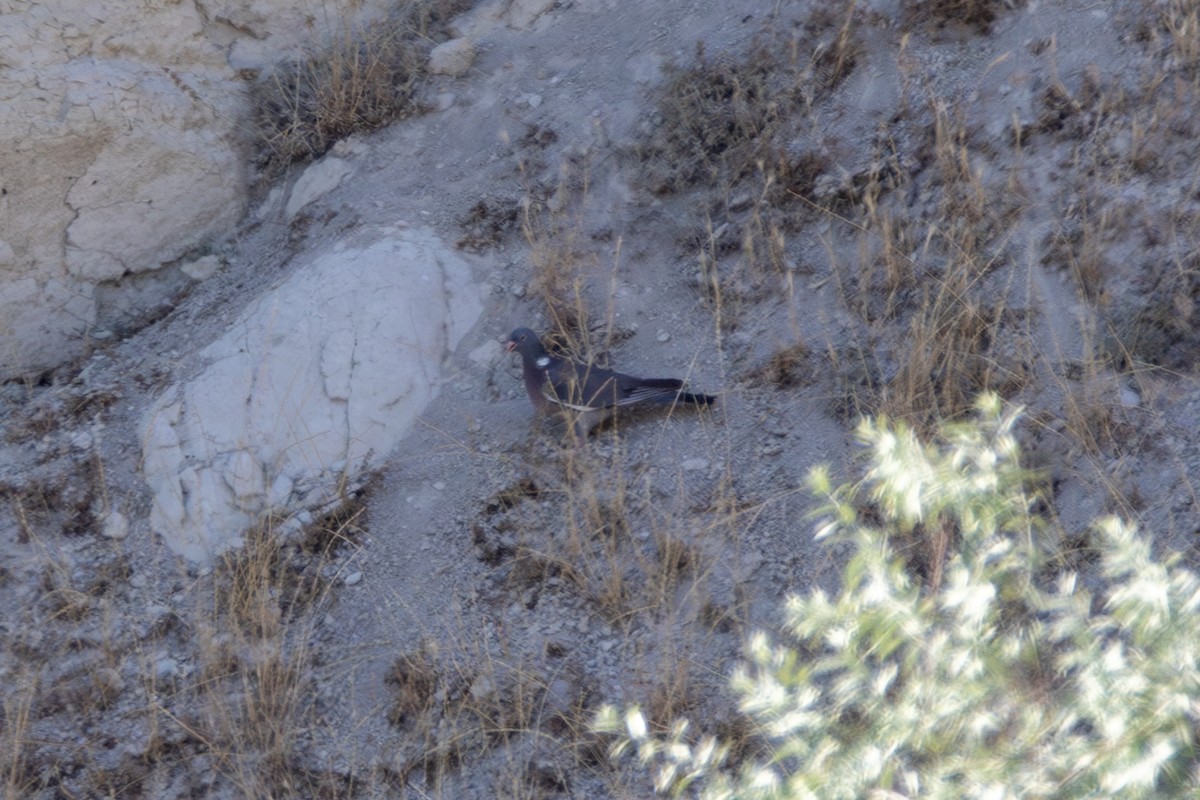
(585, 387)
(581, 387)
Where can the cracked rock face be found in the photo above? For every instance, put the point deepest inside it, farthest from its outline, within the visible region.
(317, 379)
(120, 152)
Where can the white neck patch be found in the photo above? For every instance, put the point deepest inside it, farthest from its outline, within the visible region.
(543, 362)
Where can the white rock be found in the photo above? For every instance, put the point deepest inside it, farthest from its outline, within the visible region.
(116, 525)
(320, 178)
(353, 578)
(453, 58)
(281, 491)
(695, 464)
(202, 268)
(243, 475)
(523, 13)
(350, 147)
(166, 668)
(482, 18)
(486, 354)
(122, 147)
(273, 204)
(44, 323)
(331, 368)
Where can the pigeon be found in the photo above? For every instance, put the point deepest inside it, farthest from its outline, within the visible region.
(592, 392)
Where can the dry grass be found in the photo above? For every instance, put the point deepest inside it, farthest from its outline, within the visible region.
(468, 700)
(1172, 28)
(364, 80)
(560, 267)
(939, 279)
(586, 536)
(254, 697)
(356, 81)
(721, 118)
(980, 13)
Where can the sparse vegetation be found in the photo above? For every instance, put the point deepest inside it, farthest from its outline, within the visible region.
(980, 13)
(890, 263)
(721, 118)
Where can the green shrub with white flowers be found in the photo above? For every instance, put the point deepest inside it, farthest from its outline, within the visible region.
(990, 673)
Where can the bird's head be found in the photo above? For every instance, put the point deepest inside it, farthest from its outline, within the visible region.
(525, 342)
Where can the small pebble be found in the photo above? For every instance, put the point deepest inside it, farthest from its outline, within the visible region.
(663, 336)
(739, 339)
(352, 578)
(439, 485)
(695, 464)
(116, 526)
(109, 681)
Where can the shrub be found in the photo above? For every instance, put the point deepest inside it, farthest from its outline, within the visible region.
(1006, 680)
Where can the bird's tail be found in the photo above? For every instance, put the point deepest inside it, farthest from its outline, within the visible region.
(695, 398)
(669, 391)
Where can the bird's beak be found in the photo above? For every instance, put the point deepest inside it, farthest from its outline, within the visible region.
(510, 345)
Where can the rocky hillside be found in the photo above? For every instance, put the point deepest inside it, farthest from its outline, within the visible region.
(302, 535)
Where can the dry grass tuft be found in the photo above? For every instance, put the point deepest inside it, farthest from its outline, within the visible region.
(415, 677)
(938, 277)
(1172, 28)
(250, 705)
(722, 118)
(558, 278)
(357, 81)
(980, 13)
(788, 367)
(364, 80)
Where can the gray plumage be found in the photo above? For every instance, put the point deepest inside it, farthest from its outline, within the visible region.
(594, 393)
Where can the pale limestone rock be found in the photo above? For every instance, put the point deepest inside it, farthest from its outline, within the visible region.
(320, 378)
(121, 147)
(243, 475)
(479, 20)
(202, 268)
(319, 178)
(522, 14)
(487, 354)
(116, 525)
(453, 58)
